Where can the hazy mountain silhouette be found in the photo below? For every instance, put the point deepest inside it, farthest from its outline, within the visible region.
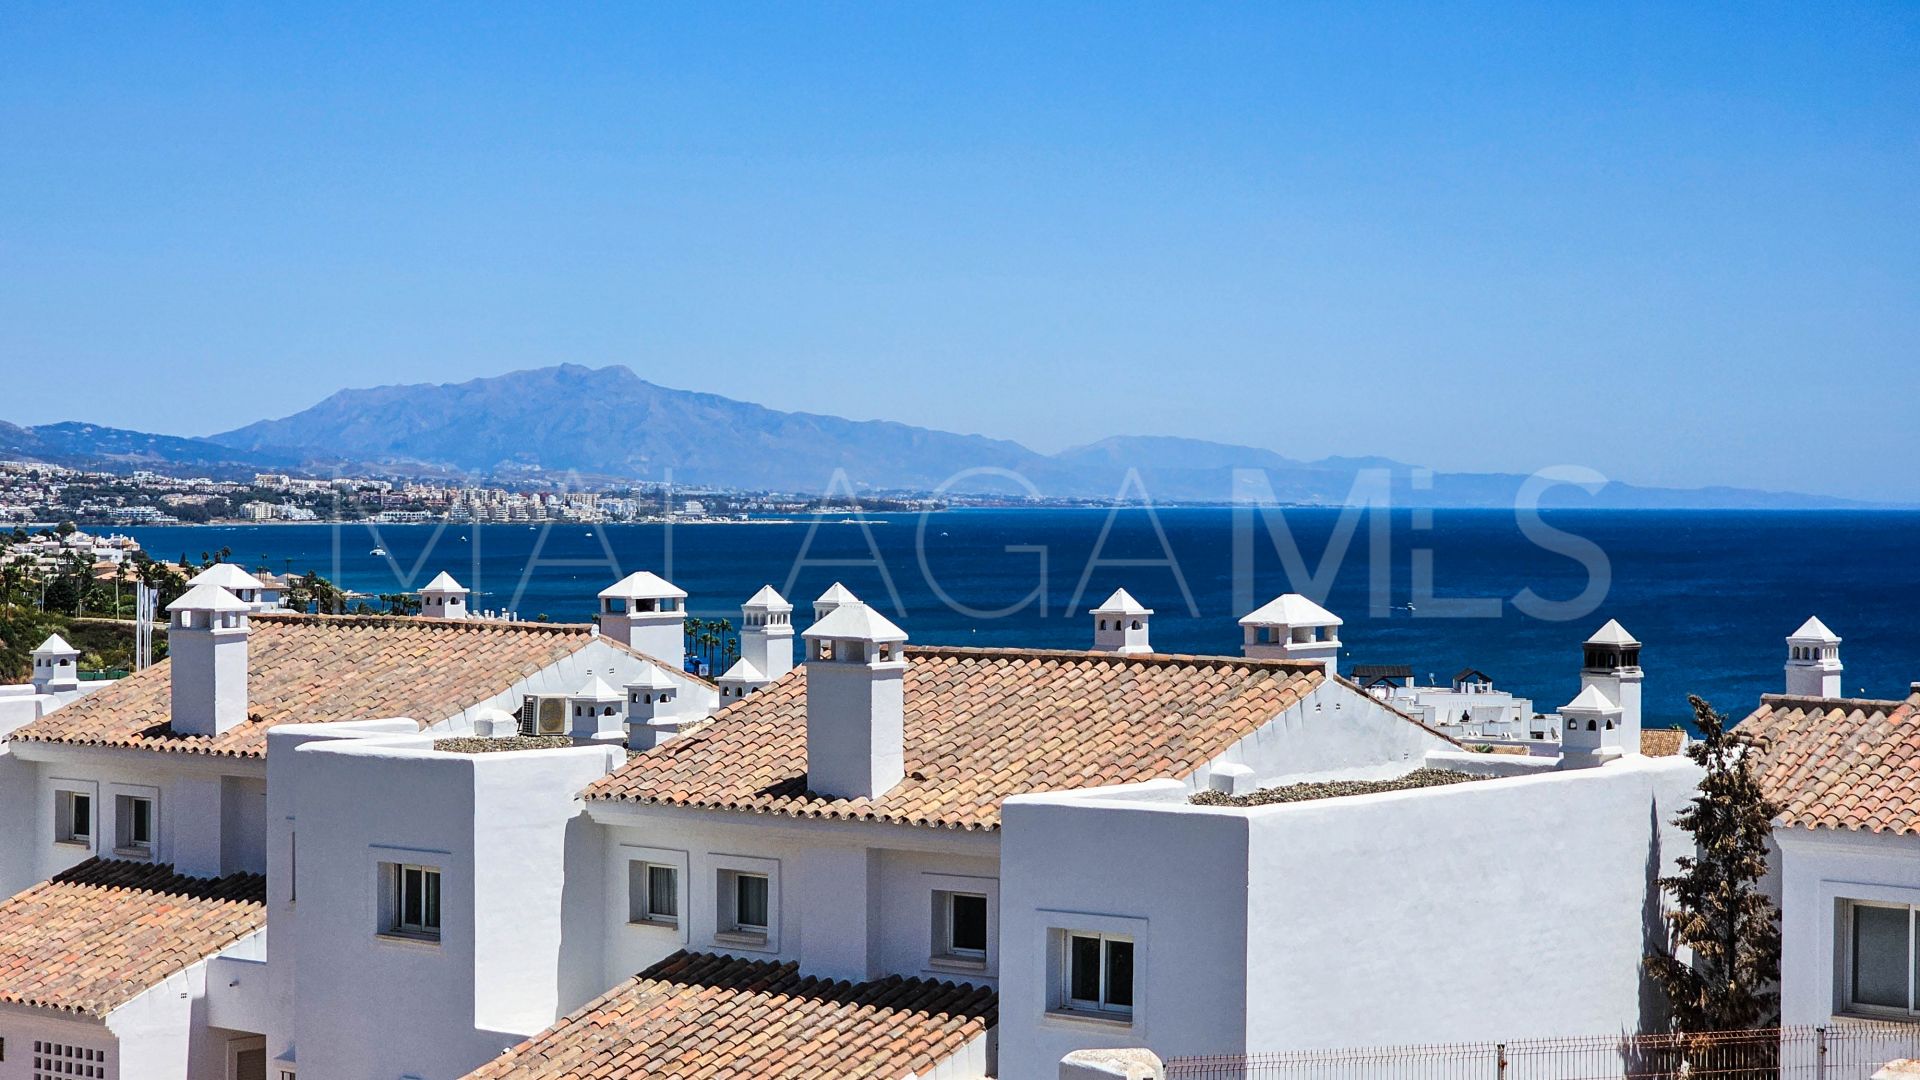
(610, 424)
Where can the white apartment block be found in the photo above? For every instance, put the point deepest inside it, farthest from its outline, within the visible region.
(443, 846)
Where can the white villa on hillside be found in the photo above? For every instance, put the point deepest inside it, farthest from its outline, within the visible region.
(555, 854)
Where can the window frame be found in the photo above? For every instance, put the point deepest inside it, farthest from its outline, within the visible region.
(126, 798)
(642, 890)
(943, 953)
(735, 896)
(65, 794)
(1101, 1004)
(951, 947)
(723, 902)
(394, 924)
(1849, 965)
(1054, 941)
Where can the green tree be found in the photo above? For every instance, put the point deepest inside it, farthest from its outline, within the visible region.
(401, 603)
(1720, 916)
(310, 591)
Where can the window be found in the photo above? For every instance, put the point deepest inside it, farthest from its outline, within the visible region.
(1880, 969)
(133, 830)
(746, 902)
(961, 926)
(73, 817)
(749, 902)
(62, 1061)
(1098, 973)
(414, 901)
(653, 893)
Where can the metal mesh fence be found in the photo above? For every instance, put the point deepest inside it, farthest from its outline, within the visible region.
(1850, 1051)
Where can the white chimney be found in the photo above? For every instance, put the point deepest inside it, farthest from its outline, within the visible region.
(594, 712)
(56, 667)
(1292, 627)
(835, 595)
(856, 705)
(245, 587)
(651, 714)
(740, 680)
(1612, 666)
(766, 634)
(1120, 625)
(1591, 730)
(443, 598)
(1813, 662)
(207, 646)
(647, 613)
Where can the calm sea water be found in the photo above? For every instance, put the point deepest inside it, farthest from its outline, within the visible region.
(1711, 594)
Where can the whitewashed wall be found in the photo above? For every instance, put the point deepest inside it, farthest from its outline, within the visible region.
(1818, 868)
(1335, 731)
(500, 828)
(1506, 908)
(849, 900)
(199, 799)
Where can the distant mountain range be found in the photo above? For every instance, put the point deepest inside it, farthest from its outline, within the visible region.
(610, 424)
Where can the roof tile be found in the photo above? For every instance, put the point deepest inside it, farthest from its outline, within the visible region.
(1840, 763)
(701, 1015)
(981, 725)
(320, 668)
(95, 937)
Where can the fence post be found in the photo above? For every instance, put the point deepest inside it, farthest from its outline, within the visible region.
(1820, 1053)
(1500, 1061)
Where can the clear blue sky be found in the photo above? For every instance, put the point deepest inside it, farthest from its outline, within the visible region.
(1679, 244)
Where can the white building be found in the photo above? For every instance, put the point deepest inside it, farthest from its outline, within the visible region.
(1470, 708)
(1845, 773)
(938, 862)
(166, 773)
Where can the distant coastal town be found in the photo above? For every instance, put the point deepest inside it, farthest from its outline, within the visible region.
(39, 493)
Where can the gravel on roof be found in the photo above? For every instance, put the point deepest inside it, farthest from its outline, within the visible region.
(493, 746)
(1333, 789)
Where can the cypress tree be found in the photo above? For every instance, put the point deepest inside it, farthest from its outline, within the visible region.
(1719, 915)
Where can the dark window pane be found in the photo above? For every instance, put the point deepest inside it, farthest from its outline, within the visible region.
(409, 896)
(1120, 973)
(142, 821)
(82, 815)
(750, 900)
(969, 923)
(430, 899)
(1880, 956)
(663, 892)
(1083, 955)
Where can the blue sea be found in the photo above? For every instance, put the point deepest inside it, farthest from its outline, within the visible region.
(1711, 594)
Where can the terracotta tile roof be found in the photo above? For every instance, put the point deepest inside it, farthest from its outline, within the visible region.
(317, 668)
(98, 935)
(1840, 763)
(1662, 742)
(981, 725)
(720, 1018)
